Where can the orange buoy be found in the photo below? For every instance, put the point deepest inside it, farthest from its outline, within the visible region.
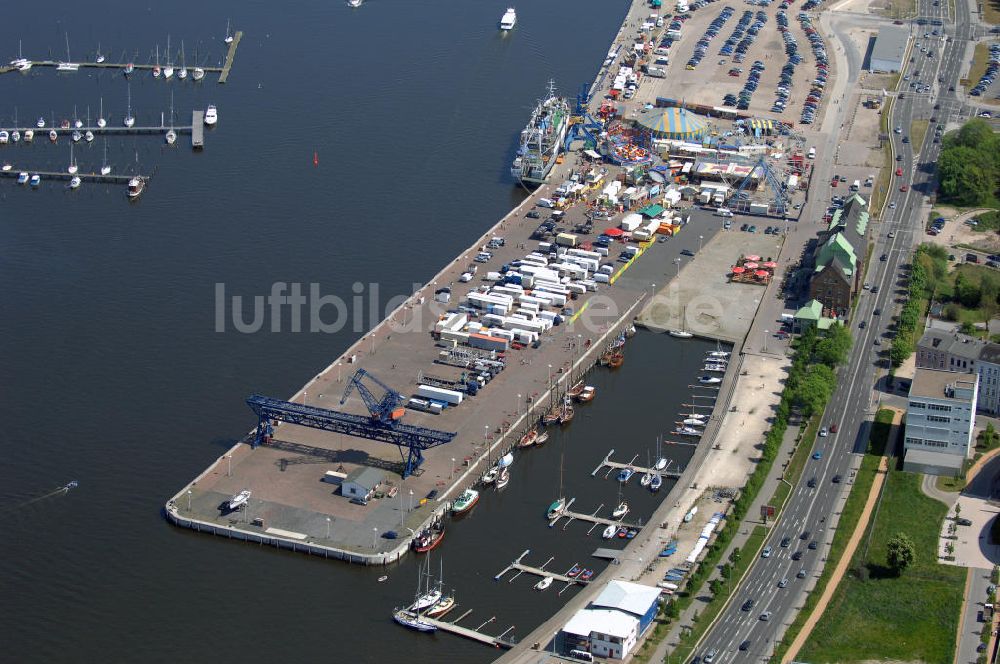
(315, 158)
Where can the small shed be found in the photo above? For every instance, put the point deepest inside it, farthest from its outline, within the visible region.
(362, 482)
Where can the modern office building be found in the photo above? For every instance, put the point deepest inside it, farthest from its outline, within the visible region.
(940, 418)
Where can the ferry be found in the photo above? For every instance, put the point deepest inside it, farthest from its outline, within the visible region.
(465, 502)
(509, 19)
(541, 140)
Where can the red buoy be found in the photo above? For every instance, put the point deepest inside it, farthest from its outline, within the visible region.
(315, 158)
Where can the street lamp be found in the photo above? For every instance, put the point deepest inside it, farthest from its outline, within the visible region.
(328, 527)
(700, 238)
(229, 469)
(766, 333)
(409, 504)
(677, 262)
(452, 468)
(189, 500)
(374, 538)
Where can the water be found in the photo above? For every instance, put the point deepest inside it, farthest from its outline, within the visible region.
(113, 375)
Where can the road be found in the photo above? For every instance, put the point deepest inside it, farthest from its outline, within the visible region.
(811, 513)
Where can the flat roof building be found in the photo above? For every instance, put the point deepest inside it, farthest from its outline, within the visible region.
(889, 50)
(940, 418)
(602, 632)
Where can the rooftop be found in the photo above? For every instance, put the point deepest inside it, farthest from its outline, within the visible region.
(957, 344)
(890, 45)
(938, 384)
(366, 476)
(602, 621)
(632, 598)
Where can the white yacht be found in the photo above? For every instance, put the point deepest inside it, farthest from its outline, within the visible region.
(29, 135)
(135, 188)
(509, 19)
(198, 73)
(243, 496)
(74, 182)
(211, 115)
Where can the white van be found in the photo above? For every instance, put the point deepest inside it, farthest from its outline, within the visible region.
(581, 655)
(546, 203)
(724, 212)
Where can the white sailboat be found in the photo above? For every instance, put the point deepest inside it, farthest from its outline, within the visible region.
(74, 182)
(100, 56)
(622, 508)
(198, 73)
(610, 531)
(229, 37)
(171, 135)
(544, 583)
(105, 167)
(559, 504)
(72, 168)
(240, 499)
(168, 69)
(68, 65)
(129, 119)
(354, 3)
(682, 333)
(101, 122)
(156, 67)
(182, 73)
(29, 135)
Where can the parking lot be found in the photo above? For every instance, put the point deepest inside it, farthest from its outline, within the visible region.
(988, 87)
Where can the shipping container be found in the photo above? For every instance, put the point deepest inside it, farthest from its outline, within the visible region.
(566, 239)
(440, 394)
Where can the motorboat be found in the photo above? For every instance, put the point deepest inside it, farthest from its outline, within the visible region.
(509, 19)
(74, 182)
(53, 135)
(15, 136)
(574, 571)
(427, 600)
(694, 422)
(77, 136)
(239, 499)
(29, 135)
(22, 178)
(544, 583)
(528, 439)
(625, 474)
(622, 532)
(136, 186)
(504, 478)
(656, 482)
(36, 180)
(412, 621)
(660, 464)
(620, 511)
(354, 3)
(211, 115)
(198, 73)
(4, 137)
(646, 478)
(709, 380)
(586, 575)
(41, 123)
(429, 538)
(556, 508)
(465, 501)
(446, 604)
(610, 531)
(89, 136)
(680, 334)
(718, 353)
(491, 476)
(715, 368)
(687, 431)
(170, 136)
(690, 515)
(587, 394)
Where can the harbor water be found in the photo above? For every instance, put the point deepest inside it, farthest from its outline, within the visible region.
(363, 146)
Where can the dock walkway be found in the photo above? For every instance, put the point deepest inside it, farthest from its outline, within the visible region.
(230, 56)
(637, 470)
(62, 175)
(496, 641)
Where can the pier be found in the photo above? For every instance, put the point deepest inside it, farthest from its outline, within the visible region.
(591, 518)
(637, 470)
(197, 129)
(62, 175)
(230, 56)
(42, 135)
(521, 568)
(453, 627)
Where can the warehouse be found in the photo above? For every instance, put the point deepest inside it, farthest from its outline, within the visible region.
(890, 48)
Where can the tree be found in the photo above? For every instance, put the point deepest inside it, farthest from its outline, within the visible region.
(900, 553)
(715, 587)
(967, 291)
(968, 328)
(832, 350)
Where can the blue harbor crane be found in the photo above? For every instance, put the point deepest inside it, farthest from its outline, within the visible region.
(381, 423)
(584, 127)
(740, 200)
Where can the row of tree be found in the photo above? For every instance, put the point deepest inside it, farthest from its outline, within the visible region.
(929, 269)
(969, 165)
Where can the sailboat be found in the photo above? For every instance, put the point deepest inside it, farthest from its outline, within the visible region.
(74, 182)
(105, 167)
(610, 531)
(100, 56)
(156, 67)
(72, 168)
(171, 135)
(198, 73)
(168, 69)
(15, 135)
(183, 72)
(68, 65)
(622, 508)
(354, 3)
(129, 119)
(77, 122)
(503, 479)
(22, 63)
(89, 135)
(229, 37)
(29, 135)
(567, 412)
(647, 476)
(101, 122)
(661, 462)
(656, 482)
(682, 333)
(559, 504)
(490, 477)
(544, 583)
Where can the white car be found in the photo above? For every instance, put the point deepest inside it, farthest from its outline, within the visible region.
(892, 205)
(823, 432)
(466, 277)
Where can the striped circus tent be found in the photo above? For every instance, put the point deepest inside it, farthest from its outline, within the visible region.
(673, 122)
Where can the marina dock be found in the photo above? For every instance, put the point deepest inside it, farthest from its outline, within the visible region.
(197, 129)
(521, 568)
(42, 135)
(230, 56)
(54, 64)
(474, 634)
(62, 175)
(591, 518)
(637, 470)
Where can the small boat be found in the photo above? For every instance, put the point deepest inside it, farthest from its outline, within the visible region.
(630, 331)
(543, 437)
(354, 3)
(77, 136)
(504, 478)
(89, 136)
(105, 167)
(528, 439)
(412, 621)
(694, 422)
(53, 135)
(576, 390)
(610, 531)
(505, 460)
(74, 182)
(382, 578)
(429, 538)
(509, 19)
(617, 359)
(567, 414)
(36, 180)
(239, 499)
(24, 65)
(15, 136)
(544, 583)
(632, 532)
(72, 485)
(41, 123)
(656, 482)
(198, 73)
(646, 478)
(681, 334)
(168, 69)
(709, 380)
(4, 137)
(445, 605)
(100, 56)
(229, 37)
(426, 601)
(687, 431)
(622, 532)
(22, 178)
(556, 508)
(620, 511)
(491, 476)
(715, 368)
(718, 353)
(72, 168)
(604, 359)
(625, 474)
(465, 502)
(587, 395)
(156, 67)
(6, 167)
(211, 115)
(136, 186)
(29, 135)
(129, 118)
(170, 136)
(586, 575)
(661, 464)
(182, 73)
(690, 515)
(129, 68)
(574, 571)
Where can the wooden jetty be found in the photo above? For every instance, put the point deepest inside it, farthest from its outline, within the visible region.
(62, 175)
(197, 129)
(474, 634)
(538, 571)
(638, 470)
(42, 135)
(230, 56)
(591, 518)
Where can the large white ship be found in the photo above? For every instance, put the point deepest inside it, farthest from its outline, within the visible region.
(541, 140)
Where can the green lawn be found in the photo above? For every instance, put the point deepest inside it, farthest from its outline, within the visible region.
(852, 512)
(918, 130)
(980, 60)
(795, 464)
(909, 618)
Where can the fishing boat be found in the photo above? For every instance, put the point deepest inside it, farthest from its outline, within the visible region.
(429, 538)
(136, 186)
(620, 511)
(660, 464)
(22, 178)
(587, 395)
(504, 478)
(74, 182)
(509, 19)
(211, 115)
(239, 499)
(656, 482)
(541, 140)
(544, 583)
(617, 359)
(198, 73)
(574, 571)
(528, 439)
(586, 575)
(36, 180)
(610, 531)
(465, 501)
(553, 416)
(491, 476)
(576, 390)
(444, 605)
(624, 474)
(412, 621)
(709, 380)
(29, 135)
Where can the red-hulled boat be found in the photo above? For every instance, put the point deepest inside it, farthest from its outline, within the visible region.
(428, 539)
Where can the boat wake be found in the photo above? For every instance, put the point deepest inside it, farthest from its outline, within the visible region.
(61, 491)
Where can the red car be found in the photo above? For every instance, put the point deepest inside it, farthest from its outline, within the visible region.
(899, 171)
(834, 181)
(834, 428)
(905, 187)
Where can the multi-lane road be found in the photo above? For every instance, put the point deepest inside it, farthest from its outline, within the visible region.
(811, 513)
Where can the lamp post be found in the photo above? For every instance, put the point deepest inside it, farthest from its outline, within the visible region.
(677, 262)
(452, 468)
(229, 468)
(409, 504)
(700, 238)
(374, 538)
(189, 500)
(328, 527)
(766, 333)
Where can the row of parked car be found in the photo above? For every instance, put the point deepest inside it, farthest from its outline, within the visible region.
(698, 4)
(760, 20)
(783, 91)
(753, 80)
(701, 48)
(737, 34)
(991, 72)
(822, 65)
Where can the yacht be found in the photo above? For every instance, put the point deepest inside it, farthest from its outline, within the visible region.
(74, 182)
(29, 135)
(427, 600)
(36, 180)
(509, 19)
(22, 178)
(465, 502)
(243, 496)
(135, 188)
(211, 115)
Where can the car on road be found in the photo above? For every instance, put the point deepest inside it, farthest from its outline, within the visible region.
(748, 605)
(837, 478)
(797, 555)
(892, 205)
(785, 541)
(812, 482)
(533, 215)
(766, 553)
(899, 157)
(802, 573)
(884, 257)
(765, 616)
(877, 312)
(906, 139)
(745, 645)
(710, 656)
(687, 252)
(862, 325)
(899, 171)
(834, 428)
(805, 534)
(813, 545)
(981, 647)
(905, 188)
(818, 455)
(963, 522)
(782, 583)
(892, 234)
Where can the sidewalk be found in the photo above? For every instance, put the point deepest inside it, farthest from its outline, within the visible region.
(752, 519)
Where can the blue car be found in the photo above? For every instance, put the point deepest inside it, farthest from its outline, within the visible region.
(818, 455)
